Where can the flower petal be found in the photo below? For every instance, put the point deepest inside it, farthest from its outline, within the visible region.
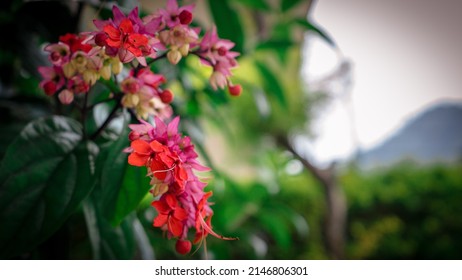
(160, 220)
(161, 206)
(136, 159)
(175, 226)
(141, 147)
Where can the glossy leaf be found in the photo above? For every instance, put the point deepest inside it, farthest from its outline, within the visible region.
(112, 163)
(135, 186)
(46, 172)
(108, 242)
(316, 29)
(228, 23)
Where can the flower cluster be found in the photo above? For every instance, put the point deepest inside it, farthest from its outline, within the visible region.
(76, 66)
(78, 61)
(171, 160)
(143, 94)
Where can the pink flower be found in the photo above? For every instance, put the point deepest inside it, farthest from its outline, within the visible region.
(53, 79)
(174, 15)
(143, 94)
(217, 53)
(171, 159)
(125, 36)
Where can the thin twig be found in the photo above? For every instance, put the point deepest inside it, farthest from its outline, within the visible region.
(107, 121)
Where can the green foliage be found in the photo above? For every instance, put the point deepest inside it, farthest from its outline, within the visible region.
(228, 23)
(406, 212)
(45, 174)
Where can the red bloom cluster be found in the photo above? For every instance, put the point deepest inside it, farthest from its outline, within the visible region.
(142, 92)
(76, 67)
(79, 61)
(171, 161)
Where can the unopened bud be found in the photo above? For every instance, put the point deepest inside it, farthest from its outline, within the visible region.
(106, 72)
(130, 100)
(183, 246)
(185, 17)
(66, 96)
(132, 136)
(100, 39)
(116, 66)
(166, 96)
(90, 77)
(174, 56)
(49, 88)
(184, 50)
(235, 90)
(69, 70)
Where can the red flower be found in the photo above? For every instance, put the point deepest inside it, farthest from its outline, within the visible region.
(75, 43)
(160, 160)
(170, 214)
(126, 38)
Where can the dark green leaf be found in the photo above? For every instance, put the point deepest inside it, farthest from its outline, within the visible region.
(134, 187)
(288, 4)
(316, 29)
(46, 172)
(108, 242)
(271, 83)
(112, 163)
(256, 4)
(228, 23)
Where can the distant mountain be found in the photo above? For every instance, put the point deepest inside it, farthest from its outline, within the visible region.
(435, 135)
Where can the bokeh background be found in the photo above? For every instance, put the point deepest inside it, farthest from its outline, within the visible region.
(345, 144)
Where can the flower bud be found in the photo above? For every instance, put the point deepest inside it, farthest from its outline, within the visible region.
(49, 88)
(130, 100)
(132, 136)
(184, 49)
(166, 96)
(185, 17)
(90, 77)
(66, 96)
(100, 39)
(174, 56)
(183, 246)
(69, 70)
(116, 66)
(105, 72)
(235, 90)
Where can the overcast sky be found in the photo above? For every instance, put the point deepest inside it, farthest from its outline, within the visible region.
(406, 56)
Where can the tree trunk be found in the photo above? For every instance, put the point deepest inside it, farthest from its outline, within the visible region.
(336, 212)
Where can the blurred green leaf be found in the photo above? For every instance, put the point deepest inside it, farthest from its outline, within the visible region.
(277, 227)
(228, 23)
(108, 242)
(316, 29)
(288, 4)
(271, 83)
(46, 172)
(255, 4)
(280, 47)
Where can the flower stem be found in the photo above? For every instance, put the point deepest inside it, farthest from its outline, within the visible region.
(108, 120)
